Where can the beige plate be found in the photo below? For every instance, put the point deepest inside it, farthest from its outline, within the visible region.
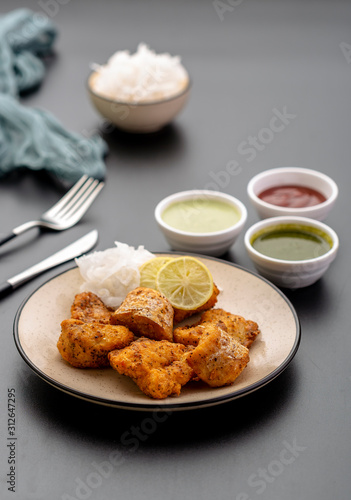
(37, 328)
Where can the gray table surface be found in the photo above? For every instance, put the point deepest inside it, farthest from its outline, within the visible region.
(290, 439)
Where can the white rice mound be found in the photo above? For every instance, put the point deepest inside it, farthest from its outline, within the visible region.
(112, 273)
(140, 77)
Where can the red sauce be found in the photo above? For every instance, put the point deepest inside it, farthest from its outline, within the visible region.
(292, 196)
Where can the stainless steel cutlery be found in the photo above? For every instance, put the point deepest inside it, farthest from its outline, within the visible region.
(66, 212)
(76, 249)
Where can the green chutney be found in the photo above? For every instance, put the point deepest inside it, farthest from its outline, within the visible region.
(201, 215)
(292, 242)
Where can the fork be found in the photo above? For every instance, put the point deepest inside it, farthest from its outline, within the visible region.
(66, 212)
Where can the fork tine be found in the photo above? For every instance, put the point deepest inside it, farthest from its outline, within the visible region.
(84, 190)
(72, 205)
(67, 197)
(87, 198)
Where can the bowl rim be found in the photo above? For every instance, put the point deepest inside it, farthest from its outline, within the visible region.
(299, 210)
(198, 193)
(274, 221)
(137, 104)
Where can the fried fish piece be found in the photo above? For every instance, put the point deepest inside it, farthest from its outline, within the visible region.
(147, 313)
(88, 307)
(242, 330)
(158, 367)
(218, 359)
(86, 345)
(181, 314)
(189, 335)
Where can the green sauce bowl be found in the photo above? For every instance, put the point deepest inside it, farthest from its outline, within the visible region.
(202, 237)
(290, 251)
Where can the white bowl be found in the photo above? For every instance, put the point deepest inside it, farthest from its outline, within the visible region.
(289, 273)
(292, 176)
(142, 117)
(211, 243)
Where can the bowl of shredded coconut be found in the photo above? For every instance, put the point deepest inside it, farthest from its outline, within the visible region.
(139, 92)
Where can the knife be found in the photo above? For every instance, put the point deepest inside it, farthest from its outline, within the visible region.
(76, 249)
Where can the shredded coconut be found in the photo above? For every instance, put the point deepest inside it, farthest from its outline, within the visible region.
(140, 77)
(112, 273)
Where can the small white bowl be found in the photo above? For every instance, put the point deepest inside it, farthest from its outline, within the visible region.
(211, 243)
(142, 117)
(291, 273)
(292, 176)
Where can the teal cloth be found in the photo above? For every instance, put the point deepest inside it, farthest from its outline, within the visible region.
(33, 138)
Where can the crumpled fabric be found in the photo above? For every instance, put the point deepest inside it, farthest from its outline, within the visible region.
(33, 138)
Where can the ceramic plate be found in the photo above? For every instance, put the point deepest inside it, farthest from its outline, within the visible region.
(37, 329)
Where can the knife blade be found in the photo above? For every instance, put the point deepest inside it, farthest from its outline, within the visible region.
(79, 247)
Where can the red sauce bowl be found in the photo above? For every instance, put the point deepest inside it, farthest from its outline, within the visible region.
(292, 191)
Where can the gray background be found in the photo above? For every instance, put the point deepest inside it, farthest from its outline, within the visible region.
(257, 57)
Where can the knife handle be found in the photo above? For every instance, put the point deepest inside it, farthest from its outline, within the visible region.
(7, 237)
(5, 288)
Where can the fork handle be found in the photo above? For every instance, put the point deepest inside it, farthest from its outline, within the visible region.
(18, 230)
(7, 237)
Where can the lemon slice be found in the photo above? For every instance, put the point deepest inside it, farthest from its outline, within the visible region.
(148, 271)
(186, 282)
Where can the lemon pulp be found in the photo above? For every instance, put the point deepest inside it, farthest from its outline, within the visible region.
(186, 282)
(148, 271)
